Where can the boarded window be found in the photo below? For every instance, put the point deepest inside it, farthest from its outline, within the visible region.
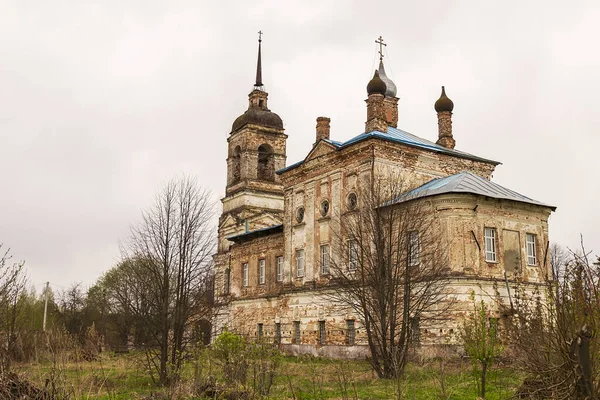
(512, 251)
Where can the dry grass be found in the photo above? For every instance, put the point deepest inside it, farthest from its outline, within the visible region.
(123, 377)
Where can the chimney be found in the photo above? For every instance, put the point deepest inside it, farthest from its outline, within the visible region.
(323, 128)
(443, 107)
(376, 115)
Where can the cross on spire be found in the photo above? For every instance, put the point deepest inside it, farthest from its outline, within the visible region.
(379, 41)
(258, 85)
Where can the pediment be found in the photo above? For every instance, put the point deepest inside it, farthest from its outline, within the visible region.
(256, 220)
(322, 148)
(264, 220)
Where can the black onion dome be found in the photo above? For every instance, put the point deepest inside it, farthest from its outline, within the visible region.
(376, 85)
(444, 103)
(257, 116)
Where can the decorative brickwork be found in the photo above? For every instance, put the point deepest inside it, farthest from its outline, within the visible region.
(445, 130)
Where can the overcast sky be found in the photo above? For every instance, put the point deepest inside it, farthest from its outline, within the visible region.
(102, 102)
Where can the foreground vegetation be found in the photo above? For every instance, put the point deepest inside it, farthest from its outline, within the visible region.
(122, 376)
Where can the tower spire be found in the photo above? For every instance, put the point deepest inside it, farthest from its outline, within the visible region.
(258, 85)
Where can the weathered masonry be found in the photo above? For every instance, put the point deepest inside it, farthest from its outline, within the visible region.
(278, 225)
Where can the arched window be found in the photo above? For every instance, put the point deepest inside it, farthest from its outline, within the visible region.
(266, 167)
(235, 164)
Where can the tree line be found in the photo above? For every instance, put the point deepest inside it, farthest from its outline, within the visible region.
(159, 298)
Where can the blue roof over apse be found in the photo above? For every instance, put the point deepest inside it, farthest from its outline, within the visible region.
(465, 182)
(399, 136)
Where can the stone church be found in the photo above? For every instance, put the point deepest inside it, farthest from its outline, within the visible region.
(277, 225)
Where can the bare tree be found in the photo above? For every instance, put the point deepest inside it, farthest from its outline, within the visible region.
(167, 281)
(391, 268)
(555, 331)
(12, 287)
(71, 310)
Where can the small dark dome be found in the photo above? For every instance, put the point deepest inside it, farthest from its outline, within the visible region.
(376, 85)
(257, 116)
(390, 90)
(444, 103)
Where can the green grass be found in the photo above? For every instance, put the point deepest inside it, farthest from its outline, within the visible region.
(123, 377)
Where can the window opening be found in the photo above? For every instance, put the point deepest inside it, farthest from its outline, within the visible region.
(300, 263)
(245, 274)
(350, 332)
(324, 208)
(531, 249)
(277, 333)
(352, 201)
(226, 281)
(325, 259)
(297, 332)
(279, 269)
(490, 244)
(266, 168)
(352, 255)
(261, 272)
(322, 332)
(300, 214)
(414, 250)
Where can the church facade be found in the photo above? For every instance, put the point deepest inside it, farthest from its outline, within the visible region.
(278, 226)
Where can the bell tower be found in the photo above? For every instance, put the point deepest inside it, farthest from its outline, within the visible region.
(256, 149)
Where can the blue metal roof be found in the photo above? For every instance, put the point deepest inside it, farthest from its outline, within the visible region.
(465, 182)
(399, 136)
(255, 233)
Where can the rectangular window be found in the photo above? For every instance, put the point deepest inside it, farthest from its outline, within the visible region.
(297, 332)
(277, 333)
(350, 332)
(325, 259)
(280, 269)
(226, 281)
(299, 263)
(259, 331)
(322, 333)
(261, 272)
(531, 250)
(414, 248)
(245, 274)
(352, 255)
(490, 244)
